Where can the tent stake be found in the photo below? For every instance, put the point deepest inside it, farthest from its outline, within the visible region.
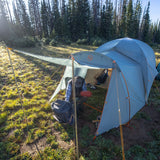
(75, 109)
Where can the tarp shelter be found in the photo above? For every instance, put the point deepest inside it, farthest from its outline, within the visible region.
(133, 71)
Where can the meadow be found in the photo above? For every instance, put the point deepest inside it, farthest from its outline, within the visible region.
(28, 130)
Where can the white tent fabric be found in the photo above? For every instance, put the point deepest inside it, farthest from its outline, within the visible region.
(59, 61)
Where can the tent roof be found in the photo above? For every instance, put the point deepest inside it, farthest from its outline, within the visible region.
(125, 52)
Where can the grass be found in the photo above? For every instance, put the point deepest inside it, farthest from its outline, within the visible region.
(33, 122)
(142, 115)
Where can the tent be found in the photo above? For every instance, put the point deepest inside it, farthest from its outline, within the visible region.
(133, 71)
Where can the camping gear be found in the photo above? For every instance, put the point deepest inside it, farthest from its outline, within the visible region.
(133, 72)
(92, 75)
(102, 78)
(86, 94)
(62, 111)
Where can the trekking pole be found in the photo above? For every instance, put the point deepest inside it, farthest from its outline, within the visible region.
(119, 112)
(75, 108)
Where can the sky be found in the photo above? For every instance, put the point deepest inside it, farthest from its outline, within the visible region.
(154, 9)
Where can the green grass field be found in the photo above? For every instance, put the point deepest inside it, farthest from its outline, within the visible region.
(29, 131)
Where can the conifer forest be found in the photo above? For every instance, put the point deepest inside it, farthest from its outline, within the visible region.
(83, 21)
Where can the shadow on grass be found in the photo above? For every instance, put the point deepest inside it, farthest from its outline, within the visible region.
(46, 67)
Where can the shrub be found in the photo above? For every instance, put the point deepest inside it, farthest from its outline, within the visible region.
(155, 134)
(82, 41)
(63, 40)
(22, 42)
(3, 153)
(11, 104)
(53, 42)
(12, 148)
(67, 41)
(142, 115)
(85, 131)
(136, 151)
(3, 117)
(58, 126)
(65, 136)
(45, 41)
(18, 134)
(97, 41)
(24, 156)
(30, 137)
(12, 95)
(39, 133)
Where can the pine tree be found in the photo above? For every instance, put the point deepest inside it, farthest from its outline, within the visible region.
(122, 23)
(154, 32)
(109, 17)
(57, 20)
(103, 23)
(4, 23)
(50, 18)
(34, 12)
(44, 18)
(145, 25)
(25, 22)
(129, 20)
(64, 16)
(63, 10)
(71, 20)
(137, 19)
(157, 34)
(115, 22)
(82, 18)
(95, 16)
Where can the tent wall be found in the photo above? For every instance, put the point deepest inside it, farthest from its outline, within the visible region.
(127, 87)
(110, 115)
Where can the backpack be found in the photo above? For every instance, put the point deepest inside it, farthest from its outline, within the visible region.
(102, 78)
(63, 111)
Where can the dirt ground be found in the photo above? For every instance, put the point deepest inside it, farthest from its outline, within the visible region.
(138, 132)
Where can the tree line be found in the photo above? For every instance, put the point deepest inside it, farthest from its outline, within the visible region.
(82, 21)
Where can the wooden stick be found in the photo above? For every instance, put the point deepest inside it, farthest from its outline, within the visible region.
(75, 109)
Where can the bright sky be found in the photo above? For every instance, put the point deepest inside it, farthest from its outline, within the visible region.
(154, 9)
